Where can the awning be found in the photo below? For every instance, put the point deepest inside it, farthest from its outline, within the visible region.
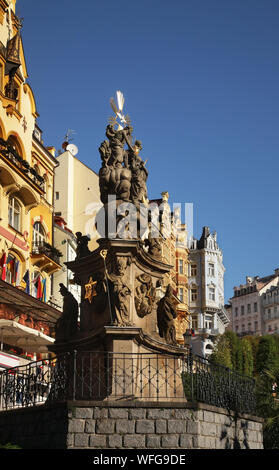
(22, 302)
(28, 339)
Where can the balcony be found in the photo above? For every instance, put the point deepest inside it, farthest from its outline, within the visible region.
(207, 332)
(9, 154)
(45, 257)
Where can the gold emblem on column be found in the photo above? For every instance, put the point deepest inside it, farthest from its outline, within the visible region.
(90, 289)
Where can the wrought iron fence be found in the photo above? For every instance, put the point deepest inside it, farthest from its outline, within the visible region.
(86, 375)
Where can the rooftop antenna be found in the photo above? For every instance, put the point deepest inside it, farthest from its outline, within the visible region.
(68, 138)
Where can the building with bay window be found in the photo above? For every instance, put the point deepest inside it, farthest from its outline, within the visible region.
(206, 292)
(28, 258)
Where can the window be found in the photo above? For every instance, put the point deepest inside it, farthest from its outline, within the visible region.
(208, 322)
(193, 270)
(211, 271)
(14, 213)
(248, 308)
(194, 294)
(242, 309)
(38, 286)
(195, 323)
(256, 325)
(181, 294)
(255, 306)
(12, 270)
(236, 311)
(39, 234)
(39, 238)
(211, 293)
(57, 195)
(180, 266)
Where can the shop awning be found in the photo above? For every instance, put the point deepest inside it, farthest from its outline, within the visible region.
(22, 302)
(28, 339)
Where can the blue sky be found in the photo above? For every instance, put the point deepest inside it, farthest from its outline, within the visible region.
(201, 84)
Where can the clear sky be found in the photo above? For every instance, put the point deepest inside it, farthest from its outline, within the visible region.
(201, 85)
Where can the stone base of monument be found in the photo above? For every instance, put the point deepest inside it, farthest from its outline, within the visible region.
(124, 348)
(116, 363)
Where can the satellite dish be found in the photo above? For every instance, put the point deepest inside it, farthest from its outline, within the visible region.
(72, 149)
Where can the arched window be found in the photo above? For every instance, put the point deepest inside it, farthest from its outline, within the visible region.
(14, 213)
(39, 234)
(14, 143)
(13, 267)
(38, 286)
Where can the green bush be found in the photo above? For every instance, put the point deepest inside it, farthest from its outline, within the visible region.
(9, 446)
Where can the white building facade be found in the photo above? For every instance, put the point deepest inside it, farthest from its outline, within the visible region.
(206, 292)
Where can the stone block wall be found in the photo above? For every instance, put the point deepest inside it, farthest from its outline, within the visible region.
(131, 425)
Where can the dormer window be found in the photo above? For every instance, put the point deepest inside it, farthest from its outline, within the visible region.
(37, 133)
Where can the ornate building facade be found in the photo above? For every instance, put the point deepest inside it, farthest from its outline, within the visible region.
(175, 253)
(28, 257)
(254, 305)
(206, 292)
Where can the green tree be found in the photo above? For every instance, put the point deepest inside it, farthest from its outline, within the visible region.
(254, 341)
(222, 354)
(233, 342)
(267, 357)
(248, 360)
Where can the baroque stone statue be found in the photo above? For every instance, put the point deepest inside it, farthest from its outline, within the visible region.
(154, 243)
(82, 245)
(144, 295)
(119, 290)
(123, 172)
(67, 325)
(166, 313)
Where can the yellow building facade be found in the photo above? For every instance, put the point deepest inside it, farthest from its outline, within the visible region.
(175, 253)
(27, 167)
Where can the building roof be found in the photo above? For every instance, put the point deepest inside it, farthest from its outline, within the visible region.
(25, 303)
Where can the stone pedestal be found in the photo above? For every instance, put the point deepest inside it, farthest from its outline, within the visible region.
(120, 289)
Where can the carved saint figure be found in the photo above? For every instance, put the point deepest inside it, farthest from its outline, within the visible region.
(67, 325)
(166, 313)
(139, 175)
(153, 243)
(82, 245)
(144, 295)
(120, 292)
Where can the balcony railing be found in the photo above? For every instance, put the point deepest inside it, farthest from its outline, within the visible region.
(43, 248)
(10, 154)
(91, 375)
(208, 331)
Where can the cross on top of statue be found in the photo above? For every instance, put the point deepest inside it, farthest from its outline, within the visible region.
(119, 119)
